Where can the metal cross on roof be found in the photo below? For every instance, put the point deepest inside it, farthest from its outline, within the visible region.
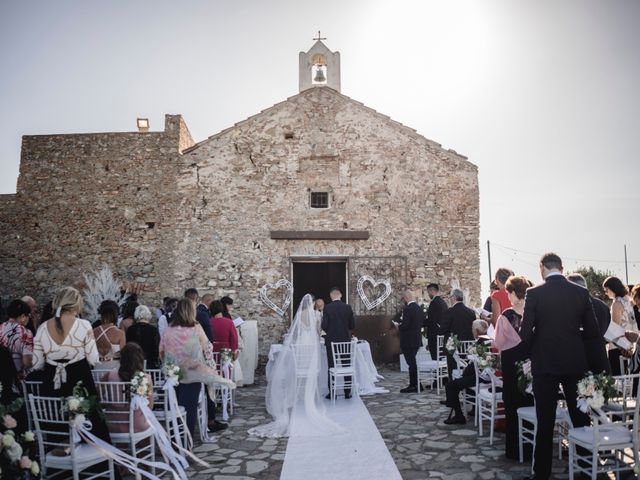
(319, 37)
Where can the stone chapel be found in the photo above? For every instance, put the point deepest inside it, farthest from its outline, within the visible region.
(318, 189)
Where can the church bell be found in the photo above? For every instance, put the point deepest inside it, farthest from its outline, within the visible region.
(320, 78)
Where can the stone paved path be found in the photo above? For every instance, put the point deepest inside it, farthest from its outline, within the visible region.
(411, 425)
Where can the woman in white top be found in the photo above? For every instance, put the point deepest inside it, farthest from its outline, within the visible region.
(64, 346)
(621, 313)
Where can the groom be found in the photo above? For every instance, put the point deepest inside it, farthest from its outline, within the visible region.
(337, 322)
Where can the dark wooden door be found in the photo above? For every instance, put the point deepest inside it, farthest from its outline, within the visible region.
(317, 278)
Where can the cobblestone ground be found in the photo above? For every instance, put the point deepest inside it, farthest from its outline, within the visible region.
(411, 426)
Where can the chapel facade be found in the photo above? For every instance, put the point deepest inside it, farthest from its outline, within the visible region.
(319, 190)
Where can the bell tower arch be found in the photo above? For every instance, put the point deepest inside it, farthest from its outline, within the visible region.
(319, 67)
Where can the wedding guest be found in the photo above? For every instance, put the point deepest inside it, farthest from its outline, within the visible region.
(338, 323)
(10, 389)
(227, 304)
(557, 316)
(47, 313)
(169, 307)
(411, 337)
(500, 298)
(435, 312)
(128, 312)
(223, 329)
(621, 314)
(493, 288)
(32, 324)
(185, 344)
(467, 380)
(512, 350)
(202, 314)
(634, 365)
(635, 297)
(145, 335)
(457, 320)
(601, 309)
(109, 338)
(65, 347)
(8, 377)
(15, 336)
(160, 311)
(131, 362)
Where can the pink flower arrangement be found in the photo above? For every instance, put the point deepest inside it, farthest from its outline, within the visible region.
(9, 422)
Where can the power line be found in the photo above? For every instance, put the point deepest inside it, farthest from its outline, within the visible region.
(566, 258)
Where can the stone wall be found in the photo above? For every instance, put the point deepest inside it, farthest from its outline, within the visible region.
(84, 200)
(169, 214)
(415, 199)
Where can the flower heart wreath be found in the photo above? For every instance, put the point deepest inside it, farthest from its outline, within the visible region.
(375, 283)
(280, 310)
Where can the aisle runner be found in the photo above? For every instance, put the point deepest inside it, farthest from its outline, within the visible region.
(358, 454)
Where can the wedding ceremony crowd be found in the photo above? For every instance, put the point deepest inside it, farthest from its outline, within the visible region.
(542, 361)
(191, 340)
(526, 355)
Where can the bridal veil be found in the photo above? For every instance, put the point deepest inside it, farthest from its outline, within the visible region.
(293, 396)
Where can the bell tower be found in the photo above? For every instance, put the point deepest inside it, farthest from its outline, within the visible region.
(319, 67)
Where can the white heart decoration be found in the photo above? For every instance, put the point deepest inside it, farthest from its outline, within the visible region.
(287, 299)
(378, 301)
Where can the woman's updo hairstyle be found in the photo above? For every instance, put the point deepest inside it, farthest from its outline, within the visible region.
(68, 299)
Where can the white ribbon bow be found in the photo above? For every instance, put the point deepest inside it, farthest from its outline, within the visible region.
(60, 376)
(81, 427)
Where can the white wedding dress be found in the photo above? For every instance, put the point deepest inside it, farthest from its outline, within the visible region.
(293, 398)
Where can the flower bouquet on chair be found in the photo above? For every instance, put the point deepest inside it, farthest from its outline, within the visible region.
(16, 451)
(452, 344)
(226, 356)
(525, 378)
(477, 351)
(594, 391)
(77, 406)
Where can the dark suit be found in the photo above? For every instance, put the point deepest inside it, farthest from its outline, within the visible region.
(558, 318)
(337, 323)
(457, 320)
(467, 380)
(411, 338)
(592, 346)
(435, 312)
(202, 316)
(602, 312)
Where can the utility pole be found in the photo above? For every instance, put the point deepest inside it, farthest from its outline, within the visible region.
(626, 265)
(489, 255)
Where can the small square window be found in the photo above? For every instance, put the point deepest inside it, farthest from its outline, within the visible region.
(319, 200)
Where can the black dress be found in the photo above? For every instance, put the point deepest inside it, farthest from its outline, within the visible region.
(511, 395)
(148, 337)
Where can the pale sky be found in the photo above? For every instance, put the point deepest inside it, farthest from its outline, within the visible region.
(541, 95)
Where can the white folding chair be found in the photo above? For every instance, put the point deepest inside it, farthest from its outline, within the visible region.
(527, 434)
(54, 431)
(435, 369)
(344, 361)
(99, 374)
(33, 387)
(460, 356)
(613, 444)
(224, 395)
(162, 408)
(488, 405)
(120, 415)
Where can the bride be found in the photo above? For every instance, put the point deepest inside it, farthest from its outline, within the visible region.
(293, 396)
